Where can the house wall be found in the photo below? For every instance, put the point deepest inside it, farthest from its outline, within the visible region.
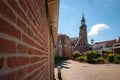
(59, 47)
(25, 49)
(66, 46)
(67, 51)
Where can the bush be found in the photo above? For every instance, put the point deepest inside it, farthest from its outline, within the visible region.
(119, 53)
(110, 57)
(100, 60)
(117, 59)
(108, 51)
(85, 59)
(76, 54)
(91, 56)
(80, 58)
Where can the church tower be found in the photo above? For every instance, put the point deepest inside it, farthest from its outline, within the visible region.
(83, 29)
(82, 42)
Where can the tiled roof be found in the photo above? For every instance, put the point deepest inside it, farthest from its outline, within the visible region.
(109, 43)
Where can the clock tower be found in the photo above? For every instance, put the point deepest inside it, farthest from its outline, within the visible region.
(83, 29)
(81, 44)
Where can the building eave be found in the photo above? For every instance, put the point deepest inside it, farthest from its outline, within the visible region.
(53, 7)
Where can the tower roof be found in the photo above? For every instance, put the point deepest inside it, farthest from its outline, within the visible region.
(83, 16)
(83, 19)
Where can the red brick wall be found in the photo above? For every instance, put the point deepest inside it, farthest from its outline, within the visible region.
(67, 51)
(24, 40)
(66, 46)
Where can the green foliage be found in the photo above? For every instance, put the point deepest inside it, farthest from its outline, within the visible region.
(119, 53)
(91, 56)
(76, 54)
(105, 56)
(100, 60)
(80, 58)
(117, 59)
(108, 51)
(85, 59)
(110, 57)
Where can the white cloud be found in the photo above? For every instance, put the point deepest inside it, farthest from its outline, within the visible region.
(96, 28)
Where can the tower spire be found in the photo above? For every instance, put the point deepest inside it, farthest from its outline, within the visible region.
(83, 16)
(83, 19)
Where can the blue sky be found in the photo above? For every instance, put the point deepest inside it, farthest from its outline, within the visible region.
(103, 15)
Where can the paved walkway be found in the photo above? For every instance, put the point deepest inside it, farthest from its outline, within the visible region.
(72, 70)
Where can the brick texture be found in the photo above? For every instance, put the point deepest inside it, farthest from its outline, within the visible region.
(7, 46)
(1, 63)
(24, 40)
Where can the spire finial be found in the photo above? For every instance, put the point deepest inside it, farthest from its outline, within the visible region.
(83, 15)
(83, 19)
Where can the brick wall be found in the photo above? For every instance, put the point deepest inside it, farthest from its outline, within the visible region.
(24, 40)
(66, 48)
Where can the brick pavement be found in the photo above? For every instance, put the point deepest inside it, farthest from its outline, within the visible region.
(72, 70)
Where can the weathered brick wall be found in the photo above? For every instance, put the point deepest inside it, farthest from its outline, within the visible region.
(24, 40)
